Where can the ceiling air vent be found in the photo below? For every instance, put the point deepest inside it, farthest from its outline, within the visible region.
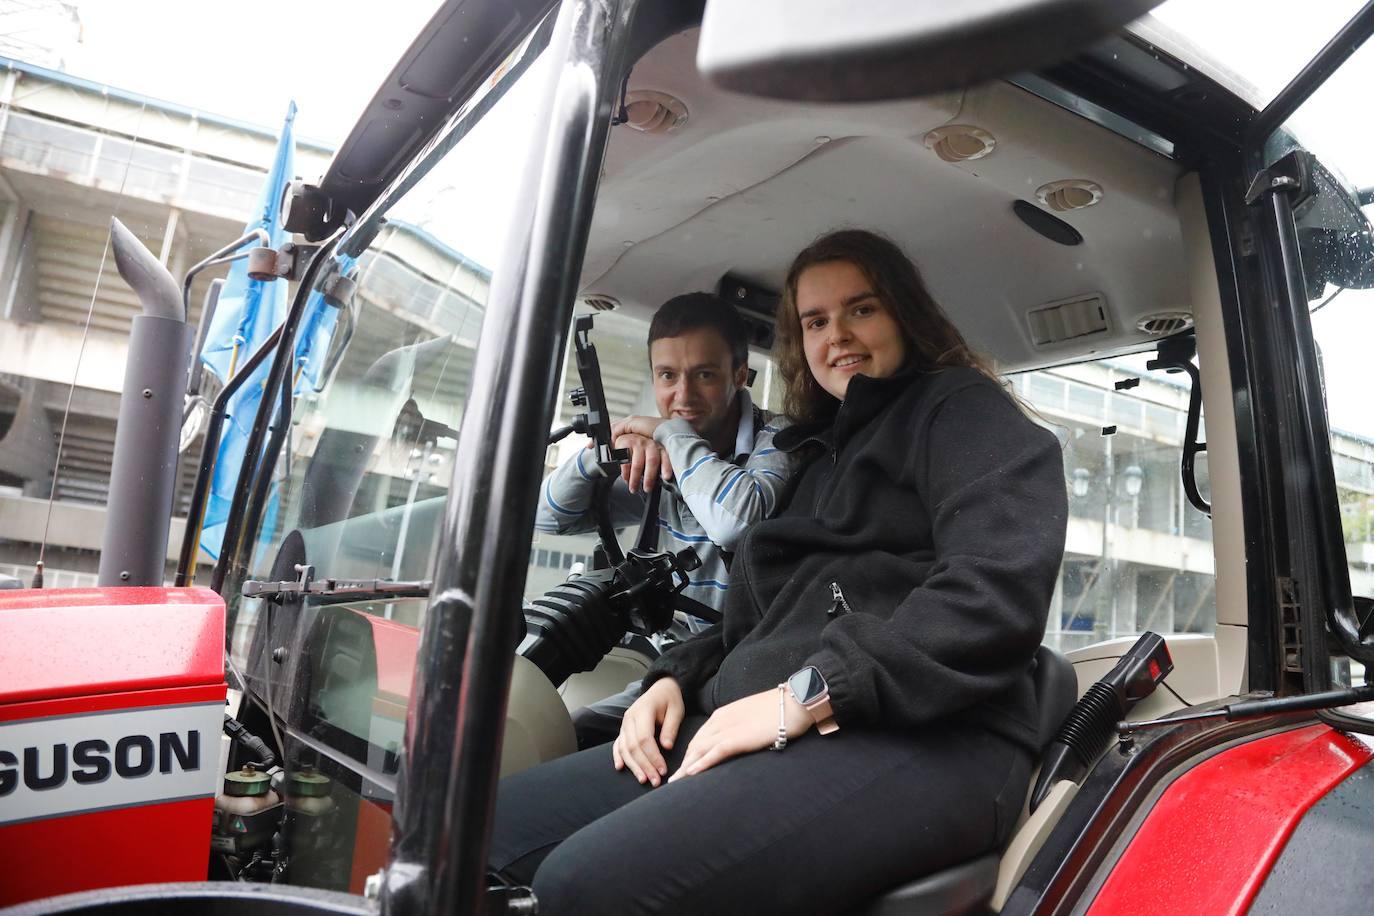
(1069, 319)
(599, 303)
(960, 142)
(652, 112)
(1069, 194)
(1162, 324)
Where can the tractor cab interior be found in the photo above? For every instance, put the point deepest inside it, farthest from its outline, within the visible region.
(1065, 247)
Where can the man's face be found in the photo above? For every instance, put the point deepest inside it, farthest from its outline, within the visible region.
(696, 379)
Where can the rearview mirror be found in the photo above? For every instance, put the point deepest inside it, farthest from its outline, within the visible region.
(1334, 235)
(821, 50)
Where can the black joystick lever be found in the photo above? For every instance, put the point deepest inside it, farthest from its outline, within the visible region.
(1091, 723)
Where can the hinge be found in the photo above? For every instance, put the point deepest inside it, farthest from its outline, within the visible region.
(1291, 174)
(1290, 617)
(1247, 238)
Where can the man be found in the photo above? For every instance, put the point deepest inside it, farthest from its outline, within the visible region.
(710, 447)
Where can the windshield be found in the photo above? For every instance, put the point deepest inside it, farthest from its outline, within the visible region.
(360, 484)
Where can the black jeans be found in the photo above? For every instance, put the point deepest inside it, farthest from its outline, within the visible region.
(821, 827)
(599, 722)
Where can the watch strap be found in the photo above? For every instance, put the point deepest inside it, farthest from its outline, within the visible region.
(823, 715)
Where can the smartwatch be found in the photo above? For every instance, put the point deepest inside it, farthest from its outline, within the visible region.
(808, 687)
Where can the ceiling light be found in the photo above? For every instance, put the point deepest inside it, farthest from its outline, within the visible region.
(652, 112)
(960, 142)
(1069, 194)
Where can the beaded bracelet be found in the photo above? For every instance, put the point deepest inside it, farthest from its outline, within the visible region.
(781, 741)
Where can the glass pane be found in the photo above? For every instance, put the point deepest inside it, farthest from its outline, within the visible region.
(1243, 43)
(1338, 264)
(370, 453)
(1138, 555)
(361, 484)
(1334, 125)
(1343, 329)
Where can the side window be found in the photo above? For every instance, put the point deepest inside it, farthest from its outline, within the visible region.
(1338, 264)
(1343, 329)
(1138, 555)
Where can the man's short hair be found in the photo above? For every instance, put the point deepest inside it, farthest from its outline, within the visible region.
(690, 311)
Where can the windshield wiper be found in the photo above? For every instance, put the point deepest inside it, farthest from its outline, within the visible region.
(1246, 709)
(307, 584)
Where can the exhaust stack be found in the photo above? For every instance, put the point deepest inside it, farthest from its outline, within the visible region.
(143, 473)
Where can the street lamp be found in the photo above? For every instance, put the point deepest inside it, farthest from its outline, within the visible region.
(1130, 482)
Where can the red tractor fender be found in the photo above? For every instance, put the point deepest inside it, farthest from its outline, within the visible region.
(1215, 833)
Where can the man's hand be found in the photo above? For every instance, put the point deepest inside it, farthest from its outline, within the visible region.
(742, 727)
(659, 709)
(640, 426)
(648, 462)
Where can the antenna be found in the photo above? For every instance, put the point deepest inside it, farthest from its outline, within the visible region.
(81, 352)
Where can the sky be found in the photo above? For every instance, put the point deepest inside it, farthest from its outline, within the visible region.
(246, 60)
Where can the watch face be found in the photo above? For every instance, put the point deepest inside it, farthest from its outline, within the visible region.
(808, 685)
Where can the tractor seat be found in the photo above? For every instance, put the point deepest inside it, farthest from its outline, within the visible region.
(968, 887)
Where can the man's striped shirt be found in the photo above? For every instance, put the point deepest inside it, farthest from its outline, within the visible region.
(706, 506)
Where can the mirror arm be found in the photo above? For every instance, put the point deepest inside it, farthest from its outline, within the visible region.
(1177, 357)
(209, 451)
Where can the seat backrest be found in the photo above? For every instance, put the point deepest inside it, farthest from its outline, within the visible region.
(1056, 690)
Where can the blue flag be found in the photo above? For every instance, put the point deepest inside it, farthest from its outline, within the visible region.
(316, 332)
(248, 312)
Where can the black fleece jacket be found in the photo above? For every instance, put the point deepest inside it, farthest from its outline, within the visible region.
(938, 510)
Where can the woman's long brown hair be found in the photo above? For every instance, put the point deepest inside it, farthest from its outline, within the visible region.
(932, 341)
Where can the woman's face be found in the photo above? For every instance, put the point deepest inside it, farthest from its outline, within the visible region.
(846, 330)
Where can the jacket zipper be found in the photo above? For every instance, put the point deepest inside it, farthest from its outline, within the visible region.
(838, 604)
(821, 490)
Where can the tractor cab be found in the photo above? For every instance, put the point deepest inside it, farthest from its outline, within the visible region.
(1162, 248)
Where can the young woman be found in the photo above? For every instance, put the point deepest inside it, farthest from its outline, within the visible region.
(864, 714)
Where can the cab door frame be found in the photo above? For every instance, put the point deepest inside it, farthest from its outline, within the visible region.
(450, 764)
(1315, 601)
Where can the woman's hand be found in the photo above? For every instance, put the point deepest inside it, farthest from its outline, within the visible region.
(742, 727)
(659, 709)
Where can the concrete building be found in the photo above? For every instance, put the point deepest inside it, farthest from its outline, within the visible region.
(72, 154)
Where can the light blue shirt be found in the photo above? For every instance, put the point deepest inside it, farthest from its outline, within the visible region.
(707, 505)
